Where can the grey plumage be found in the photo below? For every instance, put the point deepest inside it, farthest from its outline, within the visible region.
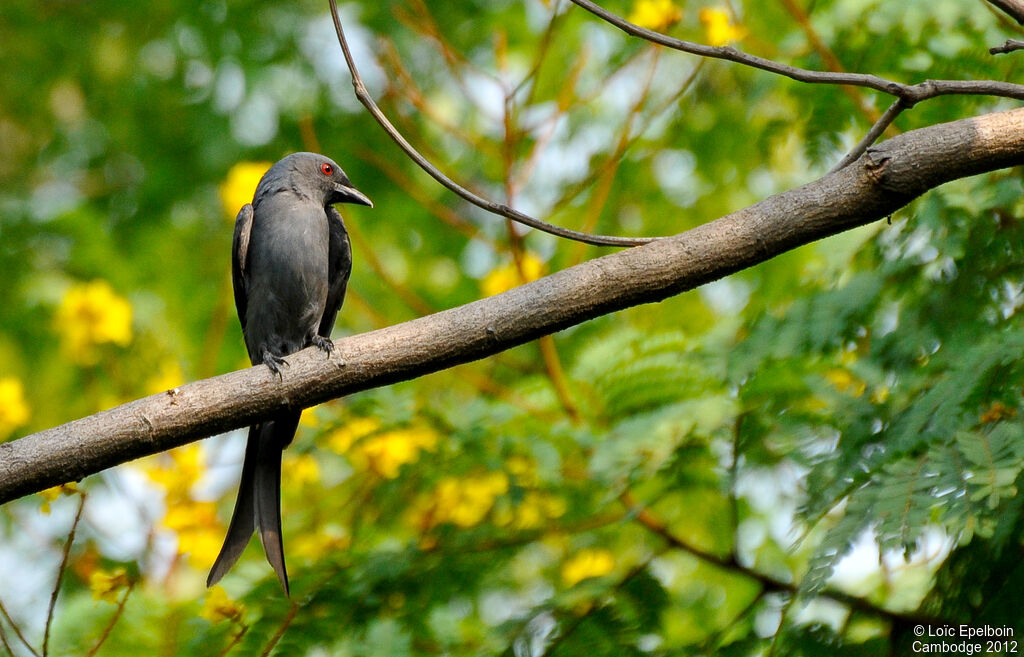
(290, 263)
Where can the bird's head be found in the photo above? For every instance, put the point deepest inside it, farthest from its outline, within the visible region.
(319, 177)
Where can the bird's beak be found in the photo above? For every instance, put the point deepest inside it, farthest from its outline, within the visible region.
(346, 194)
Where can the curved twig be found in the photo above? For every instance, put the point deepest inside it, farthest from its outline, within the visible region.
(874, 133)
(1012, 8)
(495, 208)
(60, 573)
(910, 94)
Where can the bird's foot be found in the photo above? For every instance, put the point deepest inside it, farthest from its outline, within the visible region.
(325, 345)
(274, 362)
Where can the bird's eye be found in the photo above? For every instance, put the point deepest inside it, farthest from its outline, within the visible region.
(327, 169)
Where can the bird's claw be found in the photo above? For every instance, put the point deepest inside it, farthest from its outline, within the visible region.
(323, 344)
(274, 363)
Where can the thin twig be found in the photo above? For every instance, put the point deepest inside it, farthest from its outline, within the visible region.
(786, 607)
(911, 94)
(4, 642)
(17, 631)
(495, 208)
(242, 629)
(1010, 46)
(60, 573)
(578, 620)
(829, 58)
(874, 133)
(285, 624)
(445, 214)
(113, 620)
(652, 522)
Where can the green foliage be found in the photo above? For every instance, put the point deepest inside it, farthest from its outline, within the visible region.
(686, 478)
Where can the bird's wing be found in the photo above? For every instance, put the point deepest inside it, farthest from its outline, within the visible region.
(239, 256)
(339, 262)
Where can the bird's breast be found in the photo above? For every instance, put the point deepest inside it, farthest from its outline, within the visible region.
(288, 274)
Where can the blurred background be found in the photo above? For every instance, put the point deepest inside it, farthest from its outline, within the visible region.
(804, 457)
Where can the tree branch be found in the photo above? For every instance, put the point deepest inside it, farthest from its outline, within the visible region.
(1010, 45)
(499, 209)
(910, 94)
(1012, 8)
(883, 180)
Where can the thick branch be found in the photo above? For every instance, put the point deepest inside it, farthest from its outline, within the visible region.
(886, 178)
(1013, 8)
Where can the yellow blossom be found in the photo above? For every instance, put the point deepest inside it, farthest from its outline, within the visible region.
(845, 381)
(240, 185)
(106, 585)
(655, 14)
(387, 452)
(313, 546)
(342, 438)
(532, 512)
(51, 494)
(309, 419)
(168, 377)
(14, 411)
(91, 314)
(464, 502)
(719, 28)
(587, 563)
(177, 470)
(509, 276)
(302, 469)
(218, 606)
(197, 527)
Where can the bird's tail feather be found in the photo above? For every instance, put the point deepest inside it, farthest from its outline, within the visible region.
(268, 492)
(243, 518)
(259, 498)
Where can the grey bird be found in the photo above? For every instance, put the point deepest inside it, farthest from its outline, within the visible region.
(290, 263)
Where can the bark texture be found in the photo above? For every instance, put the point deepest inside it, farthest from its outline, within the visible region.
(883, 180)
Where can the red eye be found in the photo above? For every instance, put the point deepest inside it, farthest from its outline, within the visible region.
(327, 169)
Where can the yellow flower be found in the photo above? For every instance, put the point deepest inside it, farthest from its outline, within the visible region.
(197, 527)
(587, 563)
(507, 277)
(341, 439)
(51, 494)
(532, 512)
(655, 14)
(168, 377)
(91, 314)
(177, 470)
(302, 469)
(845, 381)
(106, 585)
(476, 498)
(387, 452)
(218, 606)
(240, 185)
(313, 546)
(14, 412)
(719, 28)
(463, 502)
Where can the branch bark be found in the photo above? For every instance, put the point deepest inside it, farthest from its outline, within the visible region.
(1012, 8)
(883, 180)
